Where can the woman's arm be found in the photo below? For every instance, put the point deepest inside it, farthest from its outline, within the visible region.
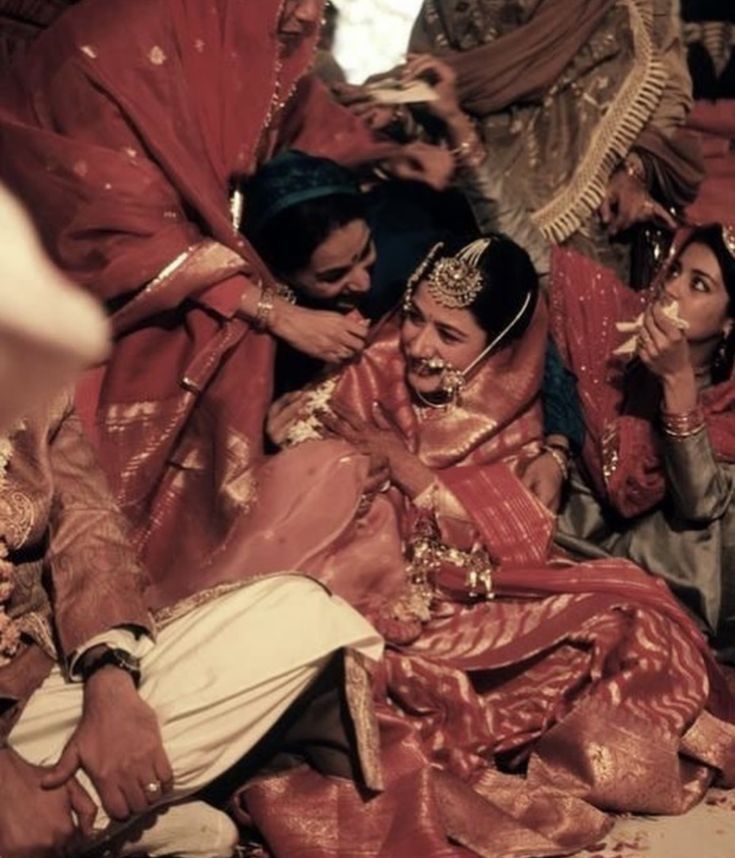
(699, 488)
(494, 209)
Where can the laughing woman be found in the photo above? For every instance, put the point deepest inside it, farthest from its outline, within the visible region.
(660, 443)
(502, 656)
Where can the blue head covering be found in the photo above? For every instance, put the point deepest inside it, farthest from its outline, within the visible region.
(290, 179)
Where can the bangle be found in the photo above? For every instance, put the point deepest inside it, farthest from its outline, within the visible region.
(560, 455)
(683, 425)
(264, 309)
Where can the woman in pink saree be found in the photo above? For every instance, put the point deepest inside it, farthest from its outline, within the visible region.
(522, 697)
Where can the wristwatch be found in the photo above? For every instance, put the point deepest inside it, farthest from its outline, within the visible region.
(119, 658)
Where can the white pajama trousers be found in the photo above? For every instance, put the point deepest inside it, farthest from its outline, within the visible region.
(218, 678)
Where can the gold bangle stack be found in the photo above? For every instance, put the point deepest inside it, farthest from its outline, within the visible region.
(683, 425)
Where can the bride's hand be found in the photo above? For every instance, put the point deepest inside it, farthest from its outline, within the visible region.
(321, 334)
(380, 440)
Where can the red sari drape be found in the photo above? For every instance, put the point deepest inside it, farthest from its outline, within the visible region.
(121, 130)
(507, 727)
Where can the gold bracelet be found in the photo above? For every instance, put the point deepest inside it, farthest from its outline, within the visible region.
(558, 456)
(264, 309)
(683, 425)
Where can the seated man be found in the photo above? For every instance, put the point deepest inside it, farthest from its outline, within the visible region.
(130, 719)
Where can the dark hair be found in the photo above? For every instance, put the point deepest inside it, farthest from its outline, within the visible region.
(509, 279)
(287, 241)
(712, 236)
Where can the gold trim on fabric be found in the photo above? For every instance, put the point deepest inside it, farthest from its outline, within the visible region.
(616, 132)
(165, 616)
(358, 689)
(170, 269)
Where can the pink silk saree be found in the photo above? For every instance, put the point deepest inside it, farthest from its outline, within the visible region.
(508, 727)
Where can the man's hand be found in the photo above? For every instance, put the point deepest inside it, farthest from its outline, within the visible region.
(37, 822)
(118, 744)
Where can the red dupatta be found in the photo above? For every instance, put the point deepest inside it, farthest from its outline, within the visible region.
(121, 130)
(622, 448)
(123, 126)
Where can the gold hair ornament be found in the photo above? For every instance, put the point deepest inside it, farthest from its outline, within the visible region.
(455, 281)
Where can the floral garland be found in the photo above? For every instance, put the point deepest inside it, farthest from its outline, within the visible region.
(9, 631)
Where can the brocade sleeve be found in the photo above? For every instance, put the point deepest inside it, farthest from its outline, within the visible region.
(699, 488)
(96, 579)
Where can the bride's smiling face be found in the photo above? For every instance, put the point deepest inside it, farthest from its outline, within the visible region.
(432, 335)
